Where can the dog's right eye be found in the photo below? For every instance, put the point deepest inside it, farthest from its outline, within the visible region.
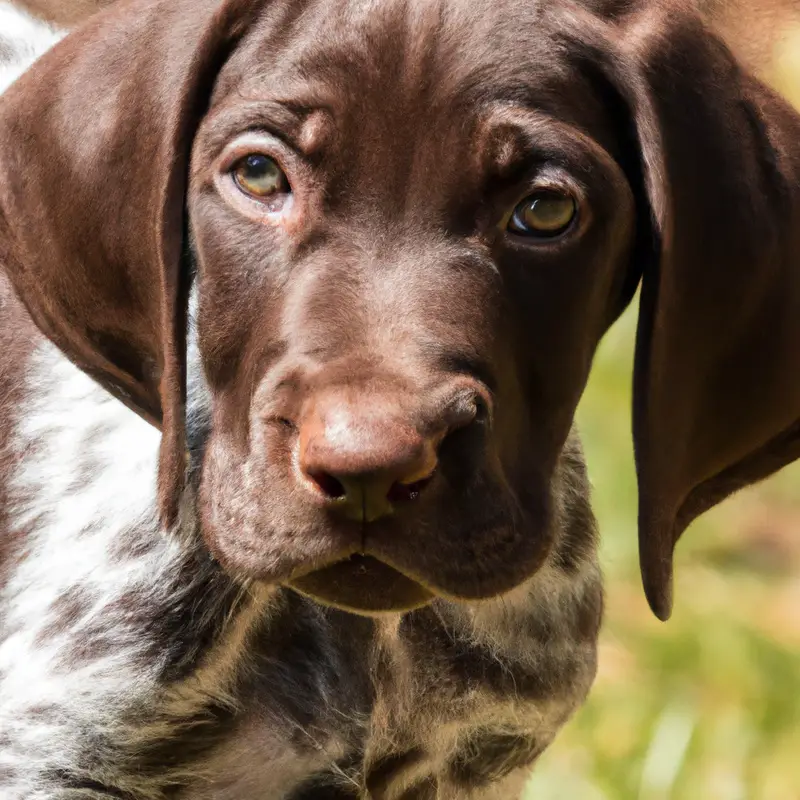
(544, 215)
(260, 176)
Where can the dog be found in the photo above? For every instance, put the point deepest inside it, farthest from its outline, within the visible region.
(298, 300)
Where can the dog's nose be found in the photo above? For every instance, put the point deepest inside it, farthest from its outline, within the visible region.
(364, 457)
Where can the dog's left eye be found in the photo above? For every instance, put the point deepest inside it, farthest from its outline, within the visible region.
(260, 176)
(545, 215)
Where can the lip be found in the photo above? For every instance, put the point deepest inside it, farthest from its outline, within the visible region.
(365, 585)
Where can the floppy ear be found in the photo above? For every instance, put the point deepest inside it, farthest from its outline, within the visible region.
(717, 368)
(95, 141)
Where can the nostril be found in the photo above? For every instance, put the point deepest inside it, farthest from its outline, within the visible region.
(482, 412)
(469, 419)
(405, 492)
(331, 487)
(469, 405)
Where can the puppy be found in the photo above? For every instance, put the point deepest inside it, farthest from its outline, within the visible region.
(298, 301)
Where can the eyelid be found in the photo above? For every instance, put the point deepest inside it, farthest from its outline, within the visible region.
(551, 177)
(536, 174)
(255, 142)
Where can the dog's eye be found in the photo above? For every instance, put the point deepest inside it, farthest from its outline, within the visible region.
(260, 176)
(545, 214)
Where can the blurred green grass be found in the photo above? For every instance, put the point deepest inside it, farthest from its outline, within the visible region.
(706, 706)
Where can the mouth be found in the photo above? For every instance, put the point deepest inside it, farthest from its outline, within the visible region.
(365, 585)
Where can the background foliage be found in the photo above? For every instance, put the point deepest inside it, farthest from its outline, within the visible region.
(706, 707)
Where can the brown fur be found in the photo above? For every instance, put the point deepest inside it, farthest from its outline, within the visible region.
(66, 13)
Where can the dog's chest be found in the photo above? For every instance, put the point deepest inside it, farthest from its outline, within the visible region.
(359, 707)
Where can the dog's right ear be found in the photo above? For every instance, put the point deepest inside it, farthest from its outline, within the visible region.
(95, 140)
(713, 157)
(717, 369)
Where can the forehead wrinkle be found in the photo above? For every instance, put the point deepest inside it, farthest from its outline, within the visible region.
(410, 52)
(508, 132)
(402, 50)
(316, 131)
(305, 124)
(239, 113)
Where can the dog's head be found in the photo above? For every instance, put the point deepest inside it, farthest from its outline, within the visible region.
(404, 228)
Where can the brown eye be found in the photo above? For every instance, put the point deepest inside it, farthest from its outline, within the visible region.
(545, 215)
(260, 176)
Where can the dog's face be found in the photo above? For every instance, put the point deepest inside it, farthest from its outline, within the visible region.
(400, 250)
(411, 224)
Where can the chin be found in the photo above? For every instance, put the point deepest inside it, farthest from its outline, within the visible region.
(364, 585)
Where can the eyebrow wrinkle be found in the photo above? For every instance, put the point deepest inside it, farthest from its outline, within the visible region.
(315, 131)
(302, 129)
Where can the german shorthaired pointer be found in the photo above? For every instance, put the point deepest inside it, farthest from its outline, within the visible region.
(298, 298)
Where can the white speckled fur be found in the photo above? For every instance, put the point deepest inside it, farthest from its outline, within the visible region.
(22, 40)
(76, 434)
(70, 534)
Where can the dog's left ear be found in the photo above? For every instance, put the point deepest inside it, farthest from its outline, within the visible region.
(717, 368)
(95, 140)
